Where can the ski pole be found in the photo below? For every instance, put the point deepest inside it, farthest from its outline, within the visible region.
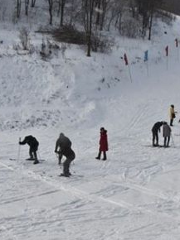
(59, 156)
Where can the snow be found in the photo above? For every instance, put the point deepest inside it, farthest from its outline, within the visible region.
(133, 195)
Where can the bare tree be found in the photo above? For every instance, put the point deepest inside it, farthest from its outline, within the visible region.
(51, 3)
(88, 13)
(74, 12)
(101, 10)
(26, 7)
(147, 9)
(153, 6)
(62, 6)
(18, 8)
(115, 13)
(120, 9)
(33, 2)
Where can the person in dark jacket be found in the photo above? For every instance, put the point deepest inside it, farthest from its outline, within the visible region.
(103, 144)
(155, 129)
(33, 144)
(63, 147)
(166, 134)
(172, 114)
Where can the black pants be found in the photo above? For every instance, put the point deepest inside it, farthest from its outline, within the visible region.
(60, 155)
(155, 138)
(33, 153)
(171, 121)
(166, 141)
(104, 155)
(67, 162)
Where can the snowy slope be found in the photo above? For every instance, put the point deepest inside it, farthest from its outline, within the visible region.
(135, 193)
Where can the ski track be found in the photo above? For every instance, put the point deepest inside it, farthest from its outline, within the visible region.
(84, 195)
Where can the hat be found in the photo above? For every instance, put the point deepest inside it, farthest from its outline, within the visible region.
(61, 135)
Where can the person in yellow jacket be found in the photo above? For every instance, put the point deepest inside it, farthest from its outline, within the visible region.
(172, 114)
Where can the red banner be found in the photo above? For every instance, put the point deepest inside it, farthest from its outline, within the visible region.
(167, 51)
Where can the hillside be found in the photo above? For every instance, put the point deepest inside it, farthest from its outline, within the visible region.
(135, 193)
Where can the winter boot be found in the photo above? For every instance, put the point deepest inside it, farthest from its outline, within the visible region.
(99, 156)
(65, 175)
(36, 162)
(104, 158)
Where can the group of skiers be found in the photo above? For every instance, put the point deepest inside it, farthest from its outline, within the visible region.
(63, 143)
(63, 148)
(166, 129)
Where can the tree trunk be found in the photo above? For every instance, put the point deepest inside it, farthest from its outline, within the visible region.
(33, 2)
(50, 11)
(98, 12)
(62, 12)
(150, 25)
(26, 7)
(89, 45)
(18, 6)
(88, 13)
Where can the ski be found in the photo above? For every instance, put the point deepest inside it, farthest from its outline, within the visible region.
(159, 146)
(12, 159)
(31, 159)
(70, 176)
(15, 159)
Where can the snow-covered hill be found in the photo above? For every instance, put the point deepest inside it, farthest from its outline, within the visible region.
(135, 193)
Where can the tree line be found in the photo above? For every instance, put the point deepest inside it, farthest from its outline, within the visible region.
(132, 18)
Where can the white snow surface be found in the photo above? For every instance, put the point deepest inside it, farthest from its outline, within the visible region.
(135, 194)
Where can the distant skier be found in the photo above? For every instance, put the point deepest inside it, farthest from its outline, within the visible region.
(166, 134)
(103, 144)
(63, 148)
(155, 129)
(33, 144)
(172, 114)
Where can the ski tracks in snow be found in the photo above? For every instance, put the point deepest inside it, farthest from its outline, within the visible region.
(100, 196)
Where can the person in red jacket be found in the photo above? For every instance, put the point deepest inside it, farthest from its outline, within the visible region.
(103, 144)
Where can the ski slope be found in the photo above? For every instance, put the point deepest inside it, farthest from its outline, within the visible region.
(133, 195)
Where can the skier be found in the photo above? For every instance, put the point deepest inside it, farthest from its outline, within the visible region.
(172, 115)
(166, 134)
(155, 129)
(103, 144)
(33, 144)
(63, 148)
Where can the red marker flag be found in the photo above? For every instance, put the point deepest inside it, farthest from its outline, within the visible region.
(125, 59)
(177, 43)
(167, 50)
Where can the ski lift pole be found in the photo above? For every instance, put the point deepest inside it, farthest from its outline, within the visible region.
(167, 63)
(147, 67)
(130, 76)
